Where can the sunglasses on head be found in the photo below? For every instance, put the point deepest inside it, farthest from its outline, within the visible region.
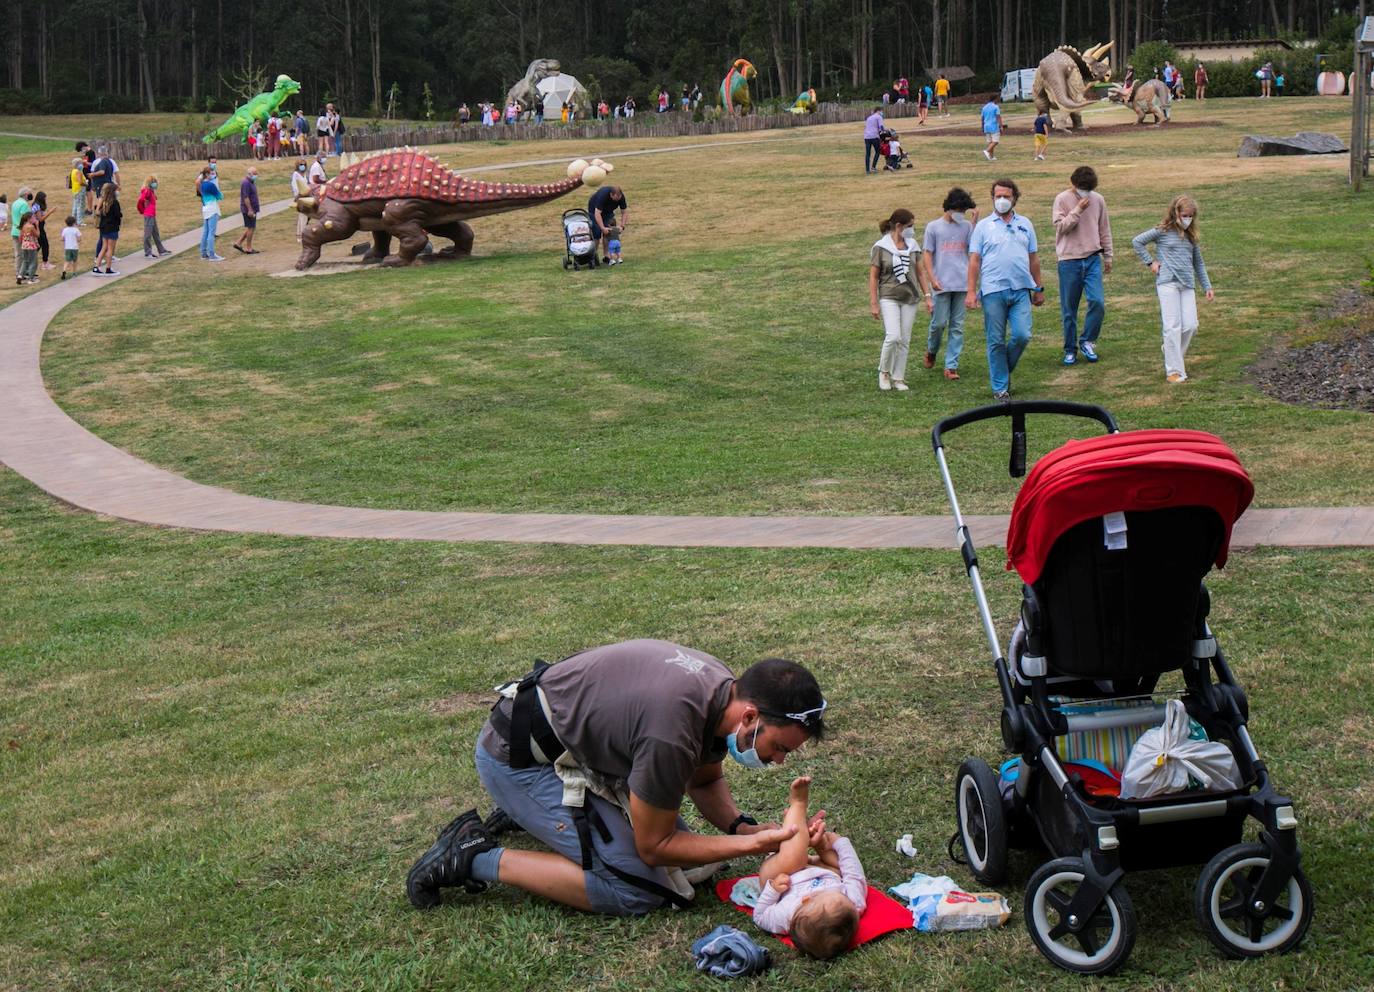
(805, 717)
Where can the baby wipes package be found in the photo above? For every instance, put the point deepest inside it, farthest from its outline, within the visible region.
(958, 910)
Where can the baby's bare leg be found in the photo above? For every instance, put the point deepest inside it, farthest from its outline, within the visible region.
(791, 856)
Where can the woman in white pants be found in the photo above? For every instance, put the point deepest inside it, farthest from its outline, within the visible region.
(1178, 268)
(896, 283)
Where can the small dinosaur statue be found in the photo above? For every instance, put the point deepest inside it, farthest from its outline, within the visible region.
(258, 109)
(806, 103)
(405, 193)
(1149, 96)
(734, 88)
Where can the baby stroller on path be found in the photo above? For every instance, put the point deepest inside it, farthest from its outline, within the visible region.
(578, 240)
(1112, 537)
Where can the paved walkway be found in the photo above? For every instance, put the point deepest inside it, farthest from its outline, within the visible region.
(44, 445)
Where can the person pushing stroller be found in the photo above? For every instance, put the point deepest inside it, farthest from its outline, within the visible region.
(601, 208)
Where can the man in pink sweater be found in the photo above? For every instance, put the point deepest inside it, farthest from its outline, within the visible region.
(1083, 245)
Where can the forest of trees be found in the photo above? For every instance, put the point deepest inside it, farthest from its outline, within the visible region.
(93, 55)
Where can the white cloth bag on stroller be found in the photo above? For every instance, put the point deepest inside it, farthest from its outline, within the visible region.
(1164, 759)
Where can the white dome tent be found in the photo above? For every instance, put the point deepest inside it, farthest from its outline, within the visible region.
(556, 90)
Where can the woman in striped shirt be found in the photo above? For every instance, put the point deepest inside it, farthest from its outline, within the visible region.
(1178, 268)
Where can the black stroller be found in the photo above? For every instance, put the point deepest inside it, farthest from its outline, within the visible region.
(579, 241)
(1112, 537)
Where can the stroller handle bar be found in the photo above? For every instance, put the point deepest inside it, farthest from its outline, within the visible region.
(1017, 467)
(1018, 410)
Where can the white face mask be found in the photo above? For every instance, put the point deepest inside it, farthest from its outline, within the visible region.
(1081, 192)
(1002, 204)
(957, 215)
(1185, 222)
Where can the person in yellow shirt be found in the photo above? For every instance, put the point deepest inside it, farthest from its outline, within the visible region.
(941, 93)
(77, 182)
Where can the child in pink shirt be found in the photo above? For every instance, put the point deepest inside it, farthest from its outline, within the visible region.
(816, 901)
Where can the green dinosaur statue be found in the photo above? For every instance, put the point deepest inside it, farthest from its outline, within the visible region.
(258, 109)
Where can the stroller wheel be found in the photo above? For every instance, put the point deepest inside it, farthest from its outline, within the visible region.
(1101, 946)
(567, 262)
(982, 822)
(1225, 909)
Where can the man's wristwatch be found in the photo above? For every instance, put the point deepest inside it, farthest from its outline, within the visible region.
(1038, 289)
(742, 818)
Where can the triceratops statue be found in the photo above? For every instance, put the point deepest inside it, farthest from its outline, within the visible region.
(1064, 82)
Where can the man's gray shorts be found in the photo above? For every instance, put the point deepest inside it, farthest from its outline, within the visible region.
(534, 799)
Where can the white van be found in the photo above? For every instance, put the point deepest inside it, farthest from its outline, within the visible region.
(1016, 85)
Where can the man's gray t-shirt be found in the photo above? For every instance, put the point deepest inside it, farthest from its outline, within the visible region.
(947, 244)
(643, 711)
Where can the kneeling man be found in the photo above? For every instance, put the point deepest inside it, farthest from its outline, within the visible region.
(594, 755)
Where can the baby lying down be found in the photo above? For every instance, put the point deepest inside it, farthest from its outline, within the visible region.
(816, 899)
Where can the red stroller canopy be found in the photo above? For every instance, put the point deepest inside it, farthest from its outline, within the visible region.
(1133, 470)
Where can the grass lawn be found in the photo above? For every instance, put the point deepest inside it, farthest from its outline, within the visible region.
(729, 365)
(222, 754)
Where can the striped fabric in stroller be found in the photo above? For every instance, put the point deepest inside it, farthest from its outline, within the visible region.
(1110, 746)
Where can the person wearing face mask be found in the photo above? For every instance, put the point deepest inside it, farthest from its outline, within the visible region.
(1083, 245)
(1178, 269)
(300, 186)
(249, 205)
(318, 177)
(1004, 278)
(594, 756)
(896, 283)
(147, 207)
(19, 211)
(946, 263)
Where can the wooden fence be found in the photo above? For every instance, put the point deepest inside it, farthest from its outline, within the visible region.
(675, 124)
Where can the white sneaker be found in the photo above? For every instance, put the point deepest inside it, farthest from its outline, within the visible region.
(899, 385)
(987, 154)
(884, 381)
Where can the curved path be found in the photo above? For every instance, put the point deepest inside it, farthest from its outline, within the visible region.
(44, 445)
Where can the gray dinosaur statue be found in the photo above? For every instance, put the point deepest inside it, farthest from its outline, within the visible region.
(1065, 81)
(526, 91)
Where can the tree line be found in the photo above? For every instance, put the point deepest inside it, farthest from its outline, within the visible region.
(428, 55)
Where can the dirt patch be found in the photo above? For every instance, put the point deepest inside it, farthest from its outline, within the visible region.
(1336, 373)
(462, 702)
(1089, 130)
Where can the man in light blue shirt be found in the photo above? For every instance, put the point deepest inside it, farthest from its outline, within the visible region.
(1004, 276)
(992, 126)
(873, 124)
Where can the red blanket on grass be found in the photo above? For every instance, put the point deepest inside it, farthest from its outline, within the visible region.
(883, 915)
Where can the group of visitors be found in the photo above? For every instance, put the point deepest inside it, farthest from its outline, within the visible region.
(964, 263)
(283, 137)
(1172, 77)
(689, 100)
(932, 94)
(1271, 80)
(491, 114)
(278, 139)
(94, 184)
(96, 190)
